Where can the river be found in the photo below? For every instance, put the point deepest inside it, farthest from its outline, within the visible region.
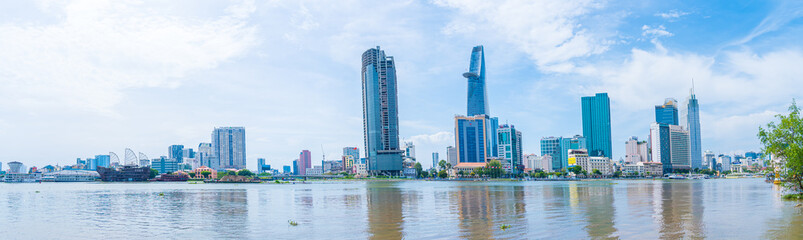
(638, 209)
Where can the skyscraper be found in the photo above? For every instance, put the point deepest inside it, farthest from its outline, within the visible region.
(176, 152)
(228, 144)
(435, 160)
(667, 113)
(690, 119)
(260, 163)
(206, 156)
(304, 162)
(477, 96)
(597, 124)
(510, 148)
(409, 150)
(635, 150)
(380, 113)
(670, 146)
(470, 139)
(354, 152)
(295, 167)
(451, 155)
(557, 148)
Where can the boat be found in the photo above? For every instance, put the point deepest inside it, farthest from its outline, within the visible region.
(676, 176)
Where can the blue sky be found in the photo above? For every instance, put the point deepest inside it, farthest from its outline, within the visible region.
(81, 78)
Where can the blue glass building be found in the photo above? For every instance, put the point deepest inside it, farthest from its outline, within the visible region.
(597, 125)
(287, 169)
(558, 148)
(228, 144)
(667, 113)
(690, 119)
(477, 97)
(380, 113)
(470, 139)
(102, 161)
(176, 152)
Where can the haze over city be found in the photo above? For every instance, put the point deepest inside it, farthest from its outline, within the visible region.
(84, 78)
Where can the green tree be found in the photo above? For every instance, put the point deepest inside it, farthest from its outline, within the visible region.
(784, 140)
(577, 170)
(192, 175)
(230, 172)
(245, 173)
(617, 174)
(418, 169)
(264, 174)
(596, 172)
(442, 164)
(461, 173)
(206, 174)
(494, 168)
(443, 174)
(424, 174)
(154, 173)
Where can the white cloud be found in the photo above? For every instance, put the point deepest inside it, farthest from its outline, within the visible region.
(655, 32)
(86, 60)
(439, 138)
(550, 32)
(672, 14)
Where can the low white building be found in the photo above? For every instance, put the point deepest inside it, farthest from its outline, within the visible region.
(360, 169)
(603, 164)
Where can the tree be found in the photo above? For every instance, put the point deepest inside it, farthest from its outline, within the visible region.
(617, 174)
(154, 173)
(442, 164)
(448, 165)
(461, 173)
(494, 168)
(245, 173)
(443, 174)
(577, 170)
(230, 172)
(418, 169)
(192, 175)
(206, 174)
(424, 174)
(784, 140)
(596, 172)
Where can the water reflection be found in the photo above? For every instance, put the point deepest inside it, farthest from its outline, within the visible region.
(681, 210)
(384, 210)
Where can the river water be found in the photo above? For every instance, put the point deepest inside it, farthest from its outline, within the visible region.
(640, 209)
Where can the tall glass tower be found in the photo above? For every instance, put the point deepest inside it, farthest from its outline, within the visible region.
(228, 144)
(477, 98)
(597, 124)
(667, 113)
(690, 119)
(380, 113)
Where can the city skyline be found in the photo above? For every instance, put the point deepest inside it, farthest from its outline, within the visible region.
(262, 79)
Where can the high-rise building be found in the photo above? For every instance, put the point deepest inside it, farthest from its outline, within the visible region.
(176, 152)
(690, 119)
(510, 151)
(470, 139)
(409, 150)
(710, 161)
(164, 164)
(451, 155)
(597, 124)
(724, 163)
(566, 144)
(304, 162)
(295, 167)
(261, 166)
(636, 151)
(558, 147)
(102, 161)
(667, 113)
(477, 96)
(206, 156)
(351, 157)
(287, 169)
(435, 160)
(16, 167)
(380, 113)
(228, 144)
(189, 153)
(493, 142)
(670, 146)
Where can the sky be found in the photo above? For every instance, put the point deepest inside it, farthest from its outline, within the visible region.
(82, 78)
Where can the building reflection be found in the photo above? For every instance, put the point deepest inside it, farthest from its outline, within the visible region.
(595, 202)
(481, 208)
(680, 210)
(385, 216)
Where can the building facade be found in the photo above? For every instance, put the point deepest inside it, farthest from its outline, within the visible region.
(667, 113)
(690, 119)
(510, 148)
(670, 147)
(164, 164)
(477, 96)
(304, 162)
(471, 140)
(435, 160)
(597, 124)
(176, 152)
(228, 144)
(636, 151)
(451, 155)
(380, 113)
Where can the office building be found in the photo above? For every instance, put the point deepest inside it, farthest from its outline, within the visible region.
(709, 160)
(667, 113)
(724, 163)
(354, 152)
(304, 161)
(670, 147)
(597, 124)
(409, 150)
(477, 96)
(558, 148)
(295, 167)
(16, 167)
(287, 169)
(690, 119)
(380, 113)
(510, 148)
(578, 157)
(566, 144)
(603, 164)
(451, 155)
(165, 164)
(102, 161)
(228, 144)
(471, 140)
(176, 152)
(435, 160)
(262, 167)
(636, 151)
(206, 156)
